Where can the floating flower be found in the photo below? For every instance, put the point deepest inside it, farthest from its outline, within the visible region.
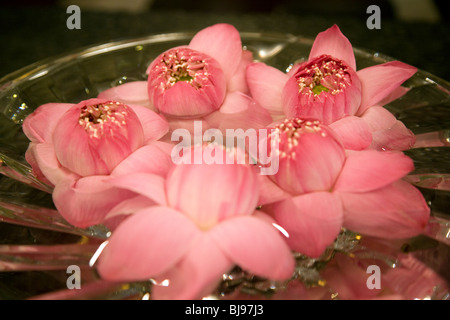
(193, 80)
(75, 148)
(319, 188)
(204, 81)
(205, 224)
(328, 88)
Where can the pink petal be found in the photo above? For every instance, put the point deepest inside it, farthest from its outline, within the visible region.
(332, 42)
(311, 163)
(148, 159)
(395, 211)
(388, 133)
(222, 42)
(369, 170)
(32, 161)
(312, 221)
(85, 202)
(269, 192)
(125, 208)
(266, 85)
(146, 184)
(47, 163)
(146, 244)
(394, 95)
(354, 132)
(153, 124)
(239, 111)
(232, 188)
(130, 93)
(378, 118)
(398, 137)
(238, 81)
(39, 125)
(255, 246)
(183, 100)
(380, 81)
(196, 275)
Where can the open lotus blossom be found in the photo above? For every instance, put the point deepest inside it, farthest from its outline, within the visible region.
(328, 87)
(77, 147)
(204, 225)
(319, 188)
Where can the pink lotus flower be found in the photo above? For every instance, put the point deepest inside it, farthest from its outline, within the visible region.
(204, 81)
(205, 224)
(77, 148)
(320, 188)
(328, 88)
(193, 80)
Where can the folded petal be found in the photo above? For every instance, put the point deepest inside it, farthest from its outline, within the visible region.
(126, 208)
(398, 137)
(43, 160)
(378, 118)
(332, 42)
(39, 125)
(378, 82)
(353, 132)
(85, 202)
(149, 185)
(130, 93)
(255, 246)
(153, 124)
(146, 244)
(269, 191)
(196, 275)
(238, 82)
(32, 161)
(312, 221)
(370, 169)
(222, 42)
(395, 211)
(266, 85)
(388, 133)
(148, 159)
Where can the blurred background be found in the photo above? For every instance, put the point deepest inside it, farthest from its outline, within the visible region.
(414, 31)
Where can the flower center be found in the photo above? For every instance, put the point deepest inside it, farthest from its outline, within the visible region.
(323, 74)
(183, 64)
(289, 132)
(103, 119)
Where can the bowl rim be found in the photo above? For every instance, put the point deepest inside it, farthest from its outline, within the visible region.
(42, 66)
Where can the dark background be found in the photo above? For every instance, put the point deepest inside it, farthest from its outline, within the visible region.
(34, 30)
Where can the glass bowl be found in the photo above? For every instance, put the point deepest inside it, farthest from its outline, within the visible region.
(37, 246)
